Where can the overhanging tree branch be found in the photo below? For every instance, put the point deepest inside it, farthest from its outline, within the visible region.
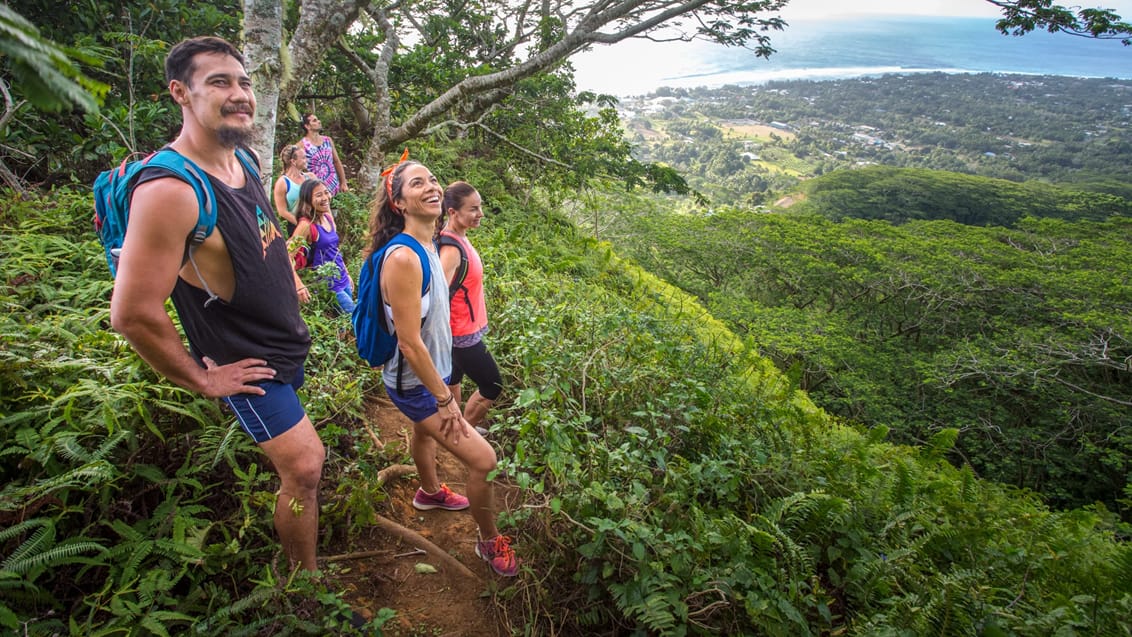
(1023, 16)
(492, 45)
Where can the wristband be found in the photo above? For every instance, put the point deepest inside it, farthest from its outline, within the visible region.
(446, 401)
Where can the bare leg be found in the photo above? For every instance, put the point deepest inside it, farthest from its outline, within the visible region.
(423, 449)
(297, 457)
(476, 454)
(475, 412)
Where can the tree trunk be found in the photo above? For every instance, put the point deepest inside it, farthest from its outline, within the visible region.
(263, 35)
(321, 24)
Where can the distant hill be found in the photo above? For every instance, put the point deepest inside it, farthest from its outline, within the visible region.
(899, 195)
(750, 145)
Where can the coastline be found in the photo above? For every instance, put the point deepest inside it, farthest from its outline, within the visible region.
(837, 50)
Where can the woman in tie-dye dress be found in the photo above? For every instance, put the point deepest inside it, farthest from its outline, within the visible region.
(322, 156)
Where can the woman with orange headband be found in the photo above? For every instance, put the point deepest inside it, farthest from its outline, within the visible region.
(416, 378)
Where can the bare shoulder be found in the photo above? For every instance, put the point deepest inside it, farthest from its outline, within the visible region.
(303, 229)
(403, 259)
(403, 268)
(165, 201)
(162, 214)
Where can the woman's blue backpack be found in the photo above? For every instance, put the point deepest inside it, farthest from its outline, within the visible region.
(377, 343)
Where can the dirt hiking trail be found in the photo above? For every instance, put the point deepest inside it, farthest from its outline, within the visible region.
(379, 569)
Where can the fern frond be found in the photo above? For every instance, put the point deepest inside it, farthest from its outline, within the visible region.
(40, 540)
(952, 608)
(18, 528)
(137, 555)
(110, 444)
(61, 554)
(68, 447)
(903, 487)
(222, 616)
(1122, 569)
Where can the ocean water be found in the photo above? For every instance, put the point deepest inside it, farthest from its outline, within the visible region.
(859, 47)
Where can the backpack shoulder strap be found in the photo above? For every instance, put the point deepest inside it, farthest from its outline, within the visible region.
(426, 277)
(461, 269)
(184, 168)
(249, 160)
(426, 271)
(190, 173)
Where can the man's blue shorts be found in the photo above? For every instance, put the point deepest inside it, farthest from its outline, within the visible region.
(417, 403)
(271, 415)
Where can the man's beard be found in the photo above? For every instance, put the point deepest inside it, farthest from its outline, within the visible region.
(231, 137)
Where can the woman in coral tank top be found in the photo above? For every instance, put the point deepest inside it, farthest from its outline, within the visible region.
(463, 269)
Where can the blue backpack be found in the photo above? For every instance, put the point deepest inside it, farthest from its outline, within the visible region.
(113, 189)
(377, 343)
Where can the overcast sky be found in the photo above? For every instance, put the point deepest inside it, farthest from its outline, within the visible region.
(800, 9)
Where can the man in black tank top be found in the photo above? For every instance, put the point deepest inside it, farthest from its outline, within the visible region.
(236, 293)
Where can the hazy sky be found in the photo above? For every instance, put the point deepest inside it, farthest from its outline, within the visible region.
(800, 9)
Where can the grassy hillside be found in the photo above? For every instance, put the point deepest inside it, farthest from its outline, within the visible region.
(926, 300)
(675, 483)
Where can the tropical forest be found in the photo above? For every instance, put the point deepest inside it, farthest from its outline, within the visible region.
(829, 358)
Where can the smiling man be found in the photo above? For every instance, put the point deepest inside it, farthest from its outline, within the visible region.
(236, 293)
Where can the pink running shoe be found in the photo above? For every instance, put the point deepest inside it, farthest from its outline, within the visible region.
(445, 499)
(498, 553)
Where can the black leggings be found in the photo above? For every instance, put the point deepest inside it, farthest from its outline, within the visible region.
(477, 363)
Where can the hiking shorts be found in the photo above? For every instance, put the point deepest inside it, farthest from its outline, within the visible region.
(271, 415)
(417, 403)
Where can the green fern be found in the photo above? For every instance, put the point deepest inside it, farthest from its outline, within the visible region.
(1122, 569)
(40, 551)
(97, 473)
(42, 538)
(952, 608)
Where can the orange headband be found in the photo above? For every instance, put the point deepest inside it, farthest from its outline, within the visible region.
(388, 174)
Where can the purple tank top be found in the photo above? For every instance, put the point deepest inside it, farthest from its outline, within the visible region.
(324, 249)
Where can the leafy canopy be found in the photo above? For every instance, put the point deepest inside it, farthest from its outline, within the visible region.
(45, 73)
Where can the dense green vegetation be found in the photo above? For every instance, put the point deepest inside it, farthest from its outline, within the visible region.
(677, 482)
(673, 480)
(984, 124)
(899, 195)
(129, 41)
(1017, 334)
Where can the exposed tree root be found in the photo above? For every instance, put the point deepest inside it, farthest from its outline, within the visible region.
(407, 535)
(395, 471)
(359, 555)
(373, 436)
(416, 539)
